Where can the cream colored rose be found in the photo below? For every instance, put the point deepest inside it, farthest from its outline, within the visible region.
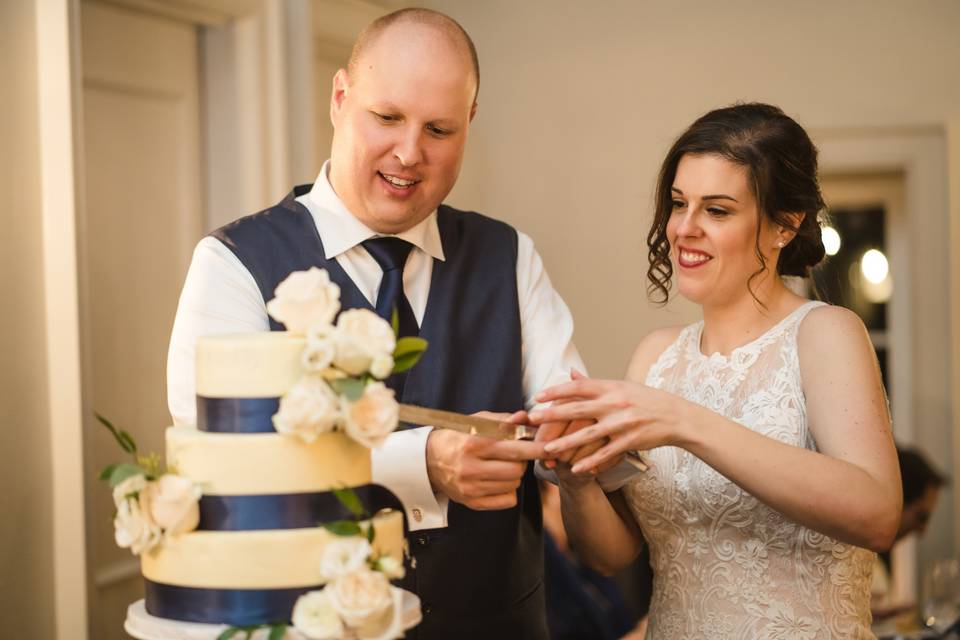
(174, 503)
(373, 417)
(133, 527)
(343, 555)
(315, 617)
(381, 367)
(389, 624)
(390, 567)
(320, 349)
(361, 597)
(362, 337)
(308, 409)
(305, 299)
(131, 487)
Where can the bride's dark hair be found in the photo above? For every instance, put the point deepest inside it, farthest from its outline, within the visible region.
(782, 169)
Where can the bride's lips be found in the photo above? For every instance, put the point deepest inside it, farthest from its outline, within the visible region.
(692, 258)
(398, 185)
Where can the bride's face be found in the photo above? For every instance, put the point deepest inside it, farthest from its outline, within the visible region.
(713, 230)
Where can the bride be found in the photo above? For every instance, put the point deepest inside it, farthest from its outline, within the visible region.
(774, 475)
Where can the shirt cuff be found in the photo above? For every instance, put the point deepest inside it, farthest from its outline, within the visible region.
(617, 477)
(400, 464)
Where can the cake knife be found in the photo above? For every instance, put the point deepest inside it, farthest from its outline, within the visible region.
(477, 426)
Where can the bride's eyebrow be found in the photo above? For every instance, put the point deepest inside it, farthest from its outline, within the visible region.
(718, 196)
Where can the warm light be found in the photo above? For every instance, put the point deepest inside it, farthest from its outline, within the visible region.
(874, 266)
(831, 240)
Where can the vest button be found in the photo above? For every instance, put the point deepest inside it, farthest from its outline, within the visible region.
(422, 541)
(425, 609)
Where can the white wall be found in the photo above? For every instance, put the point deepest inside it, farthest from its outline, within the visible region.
(26, 528)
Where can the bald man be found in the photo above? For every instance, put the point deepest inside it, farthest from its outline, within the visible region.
(473, 287)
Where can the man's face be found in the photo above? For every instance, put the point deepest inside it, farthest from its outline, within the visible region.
(917, 514)
(400, 127)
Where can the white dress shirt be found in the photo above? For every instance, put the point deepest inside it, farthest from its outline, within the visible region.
(220, 296)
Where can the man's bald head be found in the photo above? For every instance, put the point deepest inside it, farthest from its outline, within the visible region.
(444, 25)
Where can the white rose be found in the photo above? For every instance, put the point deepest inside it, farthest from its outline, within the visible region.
(308, 409)
(315, 617)
(305, 299)
(361, 597)
(320, 350)
(391, 567)
(381, 367)
(389, 625)
(373, 417)
(174, 503)
(132, 486)
(362, 337)
(133, 527)
(344, 555)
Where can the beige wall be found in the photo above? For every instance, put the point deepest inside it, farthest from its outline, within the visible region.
(579, 101)
(26, 529)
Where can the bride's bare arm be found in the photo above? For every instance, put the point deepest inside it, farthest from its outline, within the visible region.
(848, 489)
(599, 525)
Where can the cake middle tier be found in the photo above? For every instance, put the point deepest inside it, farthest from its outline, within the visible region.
(267, 463)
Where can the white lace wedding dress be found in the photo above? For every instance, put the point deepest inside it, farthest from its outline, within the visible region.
(725, 564)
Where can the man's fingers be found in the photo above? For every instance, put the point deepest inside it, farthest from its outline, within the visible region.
(481, 470)
(516, 450)
(578, 439)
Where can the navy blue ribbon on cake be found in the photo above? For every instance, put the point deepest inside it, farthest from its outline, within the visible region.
(236, 415)
(236, 607)
(287, 511)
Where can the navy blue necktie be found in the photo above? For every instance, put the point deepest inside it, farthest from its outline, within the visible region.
(391, 254)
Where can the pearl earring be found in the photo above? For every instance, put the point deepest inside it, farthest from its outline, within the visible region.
(780, 244)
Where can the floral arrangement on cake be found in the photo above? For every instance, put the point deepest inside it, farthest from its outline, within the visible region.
(151, 503)
(344, 364)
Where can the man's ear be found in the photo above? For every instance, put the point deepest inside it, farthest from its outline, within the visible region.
(341, 86)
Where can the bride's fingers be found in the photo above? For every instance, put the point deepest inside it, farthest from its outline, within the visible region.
(569, 455)
(569, 411)
(597, 461)
(586, 435)
(585, 451)
(585, 387)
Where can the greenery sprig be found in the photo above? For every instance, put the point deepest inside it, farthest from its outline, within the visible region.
(346, 528)
(146, 465)
(277, 631)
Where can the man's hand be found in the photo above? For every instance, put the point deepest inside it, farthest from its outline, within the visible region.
(480, 473)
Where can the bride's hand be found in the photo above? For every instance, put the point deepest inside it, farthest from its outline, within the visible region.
(630, 416)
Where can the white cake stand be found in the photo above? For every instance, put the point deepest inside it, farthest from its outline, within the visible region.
(144, 626)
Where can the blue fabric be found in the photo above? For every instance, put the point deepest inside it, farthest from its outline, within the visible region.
(481, 576)
(236, 415)
(236, 607)
(287, 511)
(391, 254)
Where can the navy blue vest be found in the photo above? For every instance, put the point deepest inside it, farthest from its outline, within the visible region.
(482, 576)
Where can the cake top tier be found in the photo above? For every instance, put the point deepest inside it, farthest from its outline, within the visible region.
(248, 365)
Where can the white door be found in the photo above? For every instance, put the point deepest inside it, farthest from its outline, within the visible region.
(143, 217)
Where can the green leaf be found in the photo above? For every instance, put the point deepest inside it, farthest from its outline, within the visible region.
(277, 632)
(107, 471)
(395, 321)
(250, 634)
(405, 362)
(371, 533)
(123, 471)
(229, 633)
(352, 388)
(122, 437)
(409, 344)
(344, 528)
(351, 501)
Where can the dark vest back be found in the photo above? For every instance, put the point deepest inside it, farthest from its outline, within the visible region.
(482, 575)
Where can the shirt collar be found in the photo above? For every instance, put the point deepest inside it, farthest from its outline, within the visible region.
(342, 231)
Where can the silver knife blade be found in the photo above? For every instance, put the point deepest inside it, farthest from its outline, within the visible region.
(471, 425)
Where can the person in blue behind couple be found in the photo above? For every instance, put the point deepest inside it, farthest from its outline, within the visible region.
(774, 473)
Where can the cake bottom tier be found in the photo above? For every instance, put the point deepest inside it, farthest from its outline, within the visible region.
(246, 577)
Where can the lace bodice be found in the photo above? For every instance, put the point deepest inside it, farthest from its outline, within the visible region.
(725, 565)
